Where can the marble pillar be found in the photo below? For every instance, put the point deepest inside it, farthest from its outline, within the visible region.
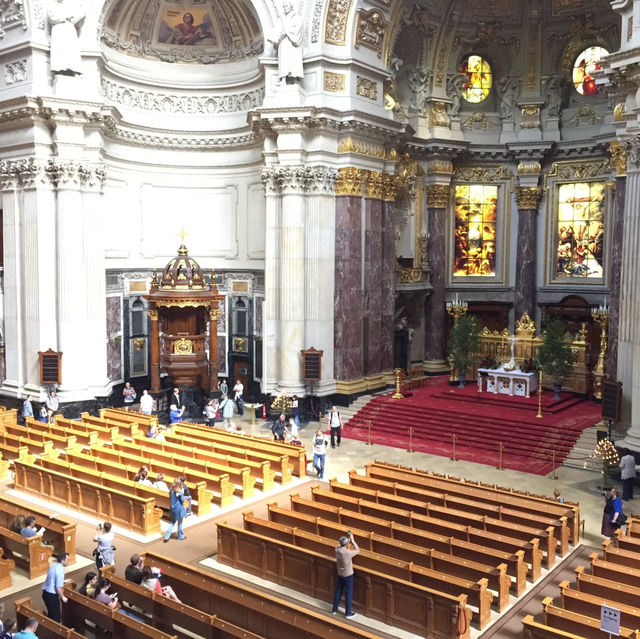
(616, 230)
(629, 335)
(155, 350)
(435, 313)
(524, 298)
(372, 276)
(388, 279)
(348, 363)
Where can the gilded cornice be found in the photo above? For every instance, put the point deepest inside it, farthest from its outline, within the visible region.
(482, 173)
(528, 197)
(438, 196)
(579, 170)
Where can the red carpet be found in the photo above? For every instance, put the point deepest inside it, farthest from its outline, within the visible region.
(480, 421)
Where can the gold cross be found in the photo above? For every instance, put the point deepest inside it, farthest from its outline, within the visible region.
(182, 235)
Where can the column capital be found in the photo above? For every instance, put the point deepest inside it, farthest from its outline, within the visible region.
(153, 314)
(29, 173)
(374, 185)
(528, 197)
(350, 181)
(438, 195)
(618, 158)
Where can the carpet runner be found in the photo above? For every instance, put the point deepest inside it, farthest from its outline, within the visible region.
(480, 422)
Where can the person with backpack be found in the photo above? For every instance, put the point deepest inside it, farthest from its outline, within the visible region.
(612, 515)
(334, 421)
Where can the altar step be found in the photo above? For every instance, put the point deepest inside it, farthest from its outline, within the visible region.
(580, 454)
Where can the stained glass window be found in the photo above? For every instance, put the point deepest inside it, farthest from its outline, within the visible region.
(476, 212)
(580, 230)
(584, 68)
(477, 87)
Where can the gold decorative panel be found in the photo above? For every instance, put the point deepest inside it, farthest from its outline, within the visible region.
(334, 82)
(335, 31)
(183, 347)
(367, 88)
(370, 30)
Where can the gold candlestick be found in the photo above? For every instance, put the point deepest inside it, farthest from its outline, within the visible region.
(539, 394)
(398, 394)
(600, 316)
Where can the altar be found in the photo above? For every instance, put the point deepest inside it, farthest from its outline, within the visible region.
(511, 383)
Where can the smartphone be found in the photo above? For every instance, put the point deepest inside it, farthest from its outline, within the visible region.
(114, 595)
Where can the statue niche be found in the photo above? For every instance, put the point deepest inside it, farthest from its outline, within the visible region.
(181, 306)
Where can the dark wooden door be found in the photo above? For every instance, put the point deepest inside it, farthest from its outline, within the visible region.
(241, 372)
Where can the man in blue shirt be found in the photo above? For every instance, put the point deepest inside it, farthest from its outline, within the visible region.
(29, 529)
(52, 593)
(27, 409)
(29, 632)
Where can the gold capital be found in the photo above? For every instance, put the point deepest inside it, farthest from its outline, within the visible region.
(350, 181)
(528, 197)
(618, 158)
(153, 315)
(374, 185)
(438, 196)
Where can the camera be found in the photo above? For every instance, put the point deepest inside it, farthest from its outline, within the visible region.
(348, 533)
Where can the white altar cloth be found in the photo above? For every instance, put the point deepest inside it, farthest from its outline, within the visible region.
(507, 382)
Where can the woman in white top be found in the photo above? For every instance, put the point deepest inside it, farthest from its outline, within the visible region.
(146, 403)
(292, 433)
(105, 551)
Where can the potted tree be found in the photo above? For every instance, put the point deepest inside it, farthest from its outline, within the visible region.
(555, 354)
(464, 339)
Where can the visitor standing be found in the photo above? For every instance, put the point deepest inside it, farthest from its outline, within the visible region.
(146, 403)
(320, 444)
(52, 406)
(238, 389)
(27, 409)
(627, 474)
(344, 566)
(52, 588)
(105, 550)
(227, 407)
(334, 422)
(177, 510)
(129, 395)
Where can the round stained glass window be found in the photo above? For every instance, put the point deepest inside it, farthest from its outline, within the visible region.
(584, 68)
(480, 79)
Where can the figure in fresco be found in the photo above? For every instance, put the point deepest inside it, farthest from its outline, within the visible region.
(187, 33)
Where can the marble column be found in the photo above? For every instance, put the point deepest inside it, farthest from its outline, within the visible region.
(214, 313)
(524, 298)
(292, 277)
(271, 362)
(616, 234)
(348, 276)
(319, 256)
(388, 277)
(435, 314)
(629, 335)
(372, 275)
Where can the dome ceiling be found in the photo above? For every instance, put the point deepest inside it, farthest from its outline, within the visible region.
(202, 31)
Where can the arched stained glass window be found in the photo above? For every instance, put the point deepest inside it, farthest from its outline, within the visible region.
(478, 86)
(476, 213)
(584, 68)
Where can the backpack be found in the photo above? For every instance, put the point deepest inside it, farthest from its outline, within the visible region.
(608, 506)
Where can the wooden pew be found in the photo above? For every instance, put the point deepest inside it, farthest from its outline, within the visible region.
(105, 425)
(9, 452)
(489, 493)
(581, 625)
(121, 478)
(8, 417)
(533, 629)
(110, 471)
(106, 433)
(60, 532)
(278, 463)
(351, 510)
(128, 417)
(394, 601)
(240, 479)
(84, 437)
(393, 492)
(40, 437)
(131, 511)
(201, 461)
(27, 552)
(458, 550)
(622, 556)
(296, 454)
(606, 588)
(163, 612)
(590, 605)
(614, 571)
(80, 608)
(424, 568)
(627, 542)
(11, 442)
(6, 566)
(47, 628)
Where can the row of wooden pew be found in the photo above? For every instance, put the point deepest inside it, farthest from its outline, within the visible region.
(435, 550)
(90, 465)
(612, 579)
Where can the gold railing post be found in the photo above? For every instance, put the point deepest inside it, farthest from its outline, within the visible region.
(453, 441)
(369, 429)
(500, 466)
(539, 394)
(410, 440)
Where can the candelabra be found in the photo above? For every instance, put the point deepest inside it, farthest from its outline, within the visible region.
(398, 373)
(457, 308)
(600, 316)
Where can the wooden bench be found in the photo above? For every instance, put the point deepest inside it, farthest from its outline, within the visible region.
(80, 609)
(131, 511)
(622, 556)
(47, 628)
(162, 613)
(533, 629)
(9, 452)
(614, 571)
(8, 417)
(417, 566)
(295, 454)
(12, 443)
(106, 433)
(256, 610)
(433, 523)
(391, 600)
(491, 493)
(128, 416)
(391, 492)
(60, 532)
(27, 552)
(573, 622)
(6, 566)
(404, 551)
(104, 426)
(84, 437)
(627, 542)
(605, 588)
(217, 488)
(39, 437)
(590, 605)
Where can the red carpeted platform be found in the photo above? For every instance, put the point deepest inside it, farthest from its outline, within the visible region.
(480, 421)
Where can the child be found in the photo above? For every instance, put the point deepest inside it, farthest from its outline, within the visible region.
(558, 496)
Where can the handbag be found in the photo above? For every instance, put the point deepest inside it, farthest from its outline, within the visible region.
(622, 520)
